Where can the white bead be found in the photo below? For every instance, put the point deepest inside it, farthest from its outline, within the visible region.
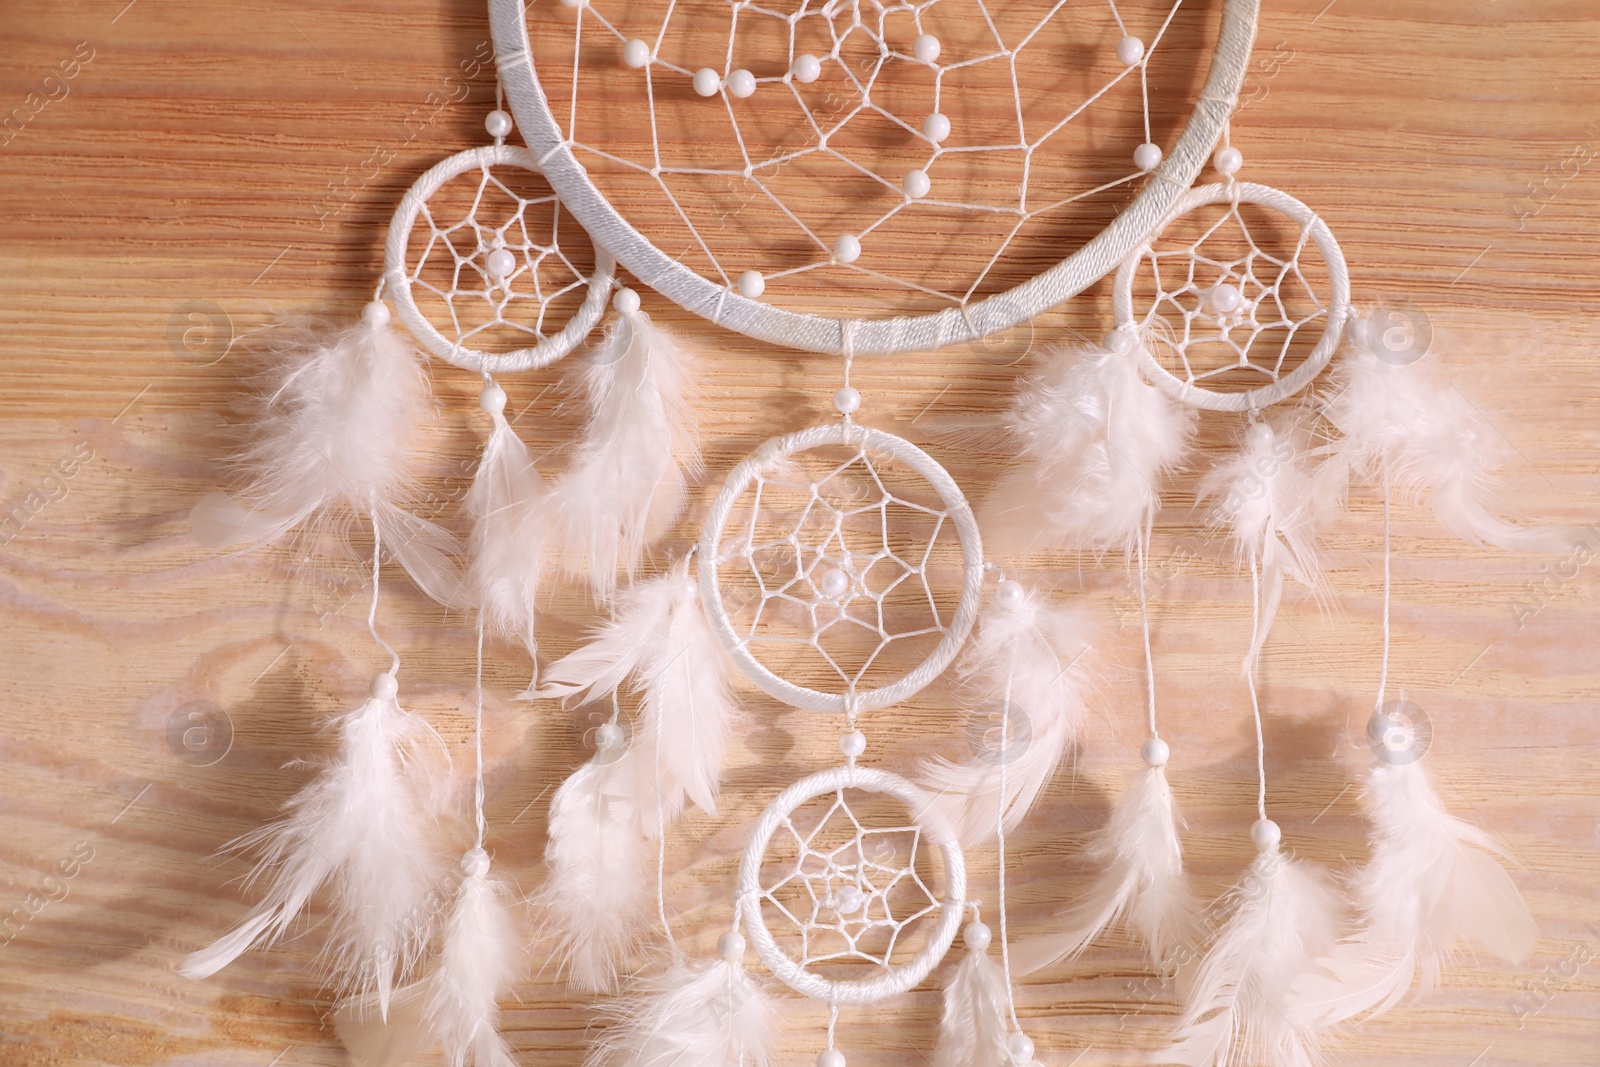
(752, 284)
(926, 48)
(1228, 161)
(501, 262)
(375, 313)
(847, 900)
(492, 401)
(475, 862)
(847, 249)
(742, 83)
(806, 68)
(853, 743)
(1130, 50)
(976, 936)
(1009, 593)
(1265, 834)
(730, 946)
(1021, 1048)
(916, 184)
(384, 687)
(1259, 436)
(1224, 298)
(1119, 341)
(936, 128)
(830, 1058)
(607, 735)
(846, 400)
(626, 302)
(1147, 156)
(835, 583)
(1154, 752)
(636, 53)
(572, 3)
(497, 122)
(706, 82)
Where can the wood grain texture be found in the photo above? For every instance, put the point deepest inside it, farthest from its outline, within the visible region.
(1452, 148)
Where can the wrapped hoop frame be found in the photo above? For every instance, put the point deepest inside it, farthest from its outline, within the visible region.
(397, 279)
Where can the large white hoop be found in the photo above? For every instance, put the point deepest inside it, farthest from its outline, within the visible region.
(1338, 309)
(398, 280)
(952, 905)
(960, 514)
(817, 333)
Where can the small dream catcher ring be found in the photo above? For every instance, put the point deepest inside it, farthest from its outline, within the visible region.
(1217, 301)
(852, 868)
(817, 556)
(498, 259)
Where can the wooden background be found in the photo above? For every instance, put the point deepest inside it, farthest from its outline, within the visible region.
(186, 171)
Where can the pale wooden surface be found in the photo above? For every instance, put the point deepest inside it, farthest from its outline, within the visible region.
(188, 162)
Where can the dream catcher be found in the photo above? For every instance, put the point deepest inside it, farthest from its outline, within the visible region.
(840, 569)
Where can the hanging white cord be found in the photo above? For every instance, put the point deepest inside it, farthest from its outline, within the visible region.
(1383, 671)
(1144, 624)
(661, 842)
(372, 611)
(1000, 839)
(1255, 702)
(477, 737)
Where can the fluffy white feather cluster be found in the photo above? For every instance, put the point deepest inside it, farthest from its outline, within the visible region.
(333, 441)
(1093, 441)
(1021, 671)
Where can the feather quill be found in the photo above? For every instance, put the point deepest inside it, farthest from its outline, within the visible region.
(1401, 422)
(692, 1015)
(594, 899)
(1432, 882)
(375, 1041)
(333, 440)
(360, 827)
(1284, 914)
(1142, 884)
(506, 545)
(1021, 664)
(659, 639)
(475, 968)
(1094, 440)
(972, 1027)
(627, 481)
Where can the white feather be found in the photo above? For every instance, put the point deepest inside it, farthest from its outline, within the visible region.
(1402, 422)
(594, 898)
(1095, 440)
(1272, 507)
(1432, 882)
(475, 968)
(626, 484)
(658, 636)
(972, 1027)
(333, 440)
(692, 1015)
(359, 826)
(504, 502)
(1021, 671)
(1284, 914)
(1142, 883)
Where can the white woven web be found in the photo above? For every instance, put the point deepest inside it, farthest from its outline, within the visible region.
(1222, 310)
(458, 228)
(849, 892)
(839, 571)
(769, 173)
